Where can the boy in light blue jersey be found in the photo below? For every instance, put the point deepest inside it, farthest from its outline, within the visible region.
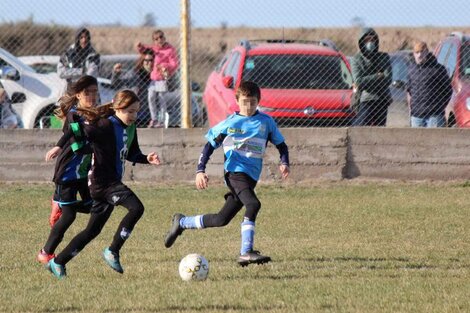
(244, 136)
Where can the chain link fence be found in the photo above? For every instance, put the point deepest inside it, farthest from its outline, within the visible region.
(310, 76)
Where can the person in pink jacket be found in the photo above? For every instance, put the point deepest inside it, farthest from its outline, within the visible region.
(164, 66)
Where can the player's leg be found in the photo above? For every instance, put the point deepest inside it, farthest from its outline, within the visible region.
(66, 197)
(243, 186)
(57, 234)
(135, 211)
(180, 222)
(247, 254)
(101, 211)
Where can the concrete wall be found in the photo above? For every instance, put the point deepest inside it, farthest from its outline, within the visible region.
(316, 153)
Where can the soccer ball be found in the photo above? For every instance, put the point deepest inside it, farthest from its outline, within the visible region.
(194, 267)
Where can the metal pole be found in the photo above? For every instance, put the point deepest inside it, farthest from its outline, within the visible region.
(185, 77)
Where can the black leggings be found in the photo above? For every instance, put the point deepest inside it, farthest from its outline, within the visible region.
(96, 223)
(232, 206)
(60, 227)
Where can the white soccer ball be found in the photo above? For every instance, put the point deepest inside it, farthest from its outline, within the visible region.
(194, 267)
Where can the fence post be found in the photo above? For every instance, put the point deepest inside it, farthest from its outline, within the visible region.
(185, 77)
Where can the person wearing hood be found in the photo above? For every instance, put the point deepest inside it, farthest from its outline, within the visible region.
(79, 59)
(429, 89)
(372, 73)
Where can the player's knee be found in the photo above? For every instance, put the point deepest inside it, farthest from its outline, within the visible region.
(138, 209)
(252, 209)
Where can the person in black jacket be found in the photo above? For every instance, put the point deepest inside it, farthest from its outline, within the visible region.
(429, 89)
(372, 73)
(70, 174)
(79, 59)
(111, 131)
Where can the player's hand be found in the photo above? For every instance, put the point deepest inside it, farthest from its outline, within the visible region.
(53, 153)
(284, 170)
(153, 158)
(202, 180)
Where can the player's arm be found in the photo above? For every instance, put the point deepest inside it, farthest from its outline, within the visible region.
(201, 177)
(284, 156)
(55, 151)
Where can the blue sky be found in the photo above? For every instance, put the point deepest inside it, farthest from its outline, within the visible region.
(254, 13)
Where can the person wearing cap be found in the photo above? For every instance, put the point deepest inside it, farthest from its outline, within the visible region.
(372, 73)
(428, 90)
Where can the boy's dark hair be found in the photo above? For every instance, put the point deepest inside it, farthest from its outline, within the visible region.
(248, 89)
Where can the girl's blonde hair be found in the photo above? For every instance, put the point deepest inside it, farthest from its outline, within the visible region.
(123, 99)
(69, 100)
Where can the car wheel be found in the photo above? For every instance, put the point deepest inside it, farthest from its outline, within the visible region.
(451, 122)
(43, 120)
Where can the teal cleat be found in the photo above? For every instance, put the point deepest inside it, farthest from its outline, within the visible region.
(56, 269)
(112, 258)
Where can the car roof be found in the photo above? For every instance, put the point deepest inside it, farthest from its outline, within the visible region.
(32, 59)
(291, 48)
(288, 46)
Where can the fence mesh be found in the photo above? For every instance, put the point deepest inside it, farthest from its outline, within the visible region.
(305, 57)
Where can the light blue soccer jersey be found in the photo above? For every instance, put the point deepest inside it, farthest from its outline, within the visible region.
(245, 141)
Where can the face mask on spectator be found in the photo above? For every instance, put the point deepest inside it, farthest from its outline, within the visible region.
(370, 46)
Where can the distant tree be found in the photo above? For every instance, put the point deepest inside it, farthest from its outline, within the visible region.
(149, 20)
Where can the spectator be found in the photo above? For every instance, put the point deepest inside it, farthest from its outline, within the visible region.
(372, 73)
(164, 66)
(429, 89)
(79, 59)
(137, 79)
(8, 118)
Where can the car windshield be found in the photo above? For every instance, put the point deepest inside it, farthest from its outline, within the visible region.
(295, 71)
(465, 60)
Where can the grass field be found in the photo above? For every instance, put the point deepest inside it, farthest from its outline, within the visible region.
(338, 247)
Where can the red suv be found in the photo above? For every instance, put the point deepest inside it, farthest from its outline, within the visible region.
(302, 83)
(454, 53)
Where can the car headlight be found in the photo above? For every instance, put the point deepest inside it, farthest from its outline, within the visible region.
(467, 103)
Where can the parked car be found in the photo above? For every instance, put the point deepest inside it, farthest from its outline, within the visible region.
(33, 94)
(398, 112)
(107, 92)
(454, 53)
(48, 63)
(302, 83)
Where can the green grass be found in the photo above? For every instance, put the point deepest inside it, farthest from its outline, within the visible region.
(341, 247)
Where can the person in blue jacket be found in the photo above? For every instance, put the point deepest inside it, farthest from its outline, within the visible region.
(244, 136)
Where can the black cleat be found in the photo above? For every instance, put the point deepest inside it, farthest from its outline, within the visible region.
(175, 230)
(252, 257)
